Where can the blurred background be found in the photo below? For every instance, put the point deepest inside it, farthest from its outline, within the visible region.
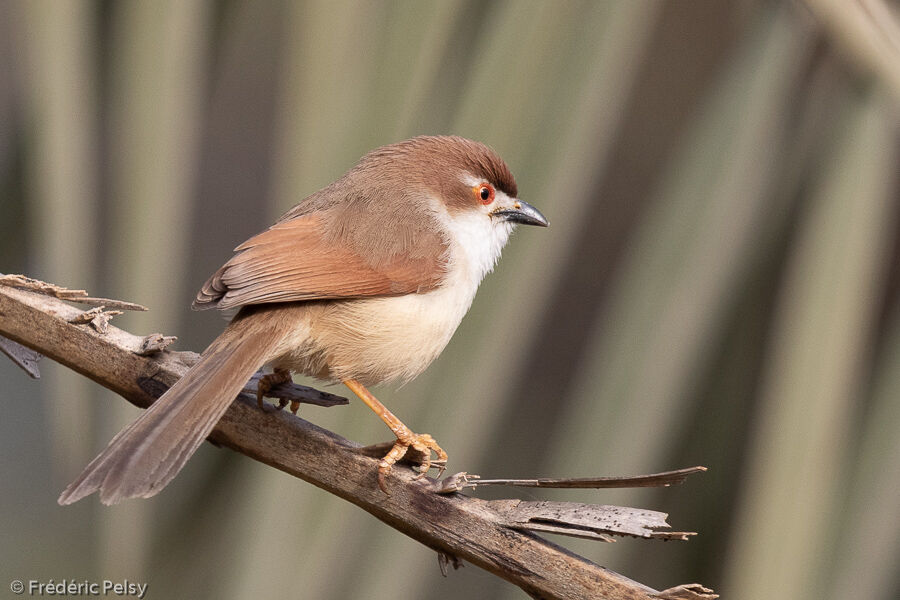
(719, 285)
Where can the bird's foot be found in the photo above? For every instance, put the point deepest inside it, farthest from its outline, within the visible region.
(270, 380)
(423, 443)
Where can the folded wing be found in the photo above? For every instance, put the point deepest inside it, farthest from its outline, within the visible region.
(309, 258)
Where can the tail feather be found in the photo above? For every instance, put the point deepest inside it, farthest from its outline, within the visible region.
(145, 456)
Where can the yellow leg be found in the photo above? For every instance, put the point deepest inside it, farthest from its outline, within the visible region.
(424, 443)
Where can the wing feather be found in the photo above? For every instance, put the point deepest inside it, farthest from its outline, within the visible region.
(296, 260)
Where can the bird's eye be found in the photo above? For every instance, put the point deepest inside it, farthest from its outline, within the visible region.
(485, 192)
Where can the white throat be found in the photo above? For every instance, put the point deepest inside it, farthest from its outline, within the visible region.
(476, 243)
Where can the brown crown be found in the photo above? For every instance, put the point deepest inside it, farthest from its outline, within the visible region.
(439, 162)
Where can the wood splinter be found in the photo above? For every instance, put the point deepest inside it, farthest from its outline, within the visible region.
(98, 317)
(155, 342)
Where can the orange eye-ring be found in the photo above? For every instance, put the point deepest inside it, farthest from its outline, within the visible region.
(485, 192)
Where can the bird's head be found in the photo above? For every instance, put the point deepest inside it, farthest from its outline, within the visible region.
(468, 177)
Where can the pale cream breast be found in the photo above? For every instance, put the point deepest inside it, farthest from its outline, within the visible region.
(386, 339)
(376, 340)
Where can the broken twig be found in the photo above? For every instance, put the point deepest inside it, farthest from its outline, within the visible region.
(690, 591)
(97, 317)
(155, 342)
(78, 296)
(461, 481)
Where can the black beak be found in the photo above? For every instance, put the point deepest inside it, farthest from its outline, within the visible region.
(523, 213)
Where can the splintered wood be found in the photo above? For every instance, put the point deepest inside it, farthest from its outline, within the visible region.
(690, 591)
(97, 317)
(155, 342)
(591, 521)
(78, 296)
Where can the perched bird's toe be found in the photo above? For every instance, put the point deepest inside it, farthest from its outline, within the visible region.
(424, 444)
(265, 385)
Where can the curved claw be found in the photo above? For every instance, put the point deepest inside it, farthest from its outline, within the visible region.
(265, 385)
(384, 467)
(261, 402)
(424, 444)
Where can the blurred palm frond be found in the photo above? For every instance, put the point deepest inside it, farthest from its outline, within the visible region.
(720, 283)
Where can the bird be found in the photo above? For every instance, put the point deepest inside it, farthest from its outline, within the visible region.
(363, 282)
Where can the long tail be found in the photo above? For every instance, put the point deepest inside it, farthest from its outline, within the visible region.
(145, 456)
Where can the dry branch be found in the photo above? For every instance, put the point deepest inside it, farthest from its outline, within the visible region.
(665, 479)
(495, 535)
